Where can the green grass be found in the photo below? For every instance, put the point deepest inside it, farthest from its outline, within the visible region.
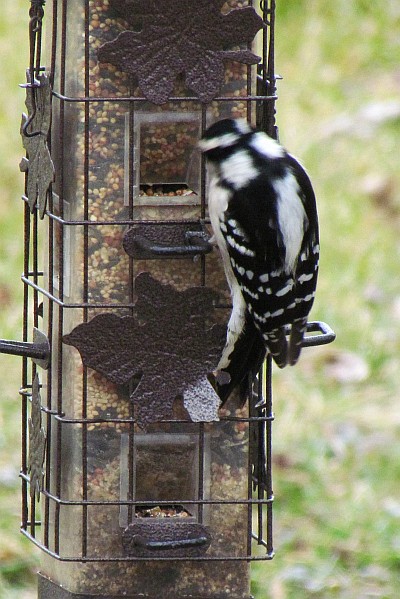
(337, 471)
(336, 444)
(18, 559)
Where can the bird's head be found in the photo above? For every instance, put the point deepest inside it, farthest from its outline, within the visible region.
(221, 137)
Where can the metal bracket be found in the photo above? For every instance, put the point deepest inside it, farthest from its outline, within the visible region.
(166, 251)
(146, 543)
(39, 350)
(326, 334)
(147, 242)
(147, 537)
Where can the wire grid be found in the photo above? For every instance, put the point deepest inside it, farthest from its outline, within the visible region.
(49, 290)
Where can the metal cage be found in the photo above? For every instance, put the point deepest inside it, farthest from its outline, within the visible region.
(114, 208)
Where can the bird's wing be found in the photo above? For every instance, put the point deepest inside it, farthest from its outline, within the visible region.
(274, 297)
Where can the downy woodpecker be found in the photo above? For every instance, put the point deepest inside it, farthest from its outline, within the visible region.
(264, 218)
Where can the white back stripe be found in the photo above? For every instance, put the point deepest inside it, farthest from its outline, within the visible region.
(266, 146)
(291, 216)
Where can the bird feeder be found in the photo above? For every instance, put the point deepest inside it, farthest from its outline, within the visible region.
(134, 482)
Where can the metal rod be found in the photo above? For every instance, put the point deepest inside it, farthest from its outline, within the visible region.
(201, 457)
(327, 334)
(152, 502)
(268, 452)
(38, 351)
(62, 178)
(250, 456)
(131, 432)
(117, 99)
(141, 541)
(253, 558)
(166, 421)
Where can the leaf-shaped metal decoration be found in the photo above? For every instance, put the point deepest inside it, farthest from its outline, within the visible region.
(167, 344)
(37, 443)
(34, 131)
(180, 37)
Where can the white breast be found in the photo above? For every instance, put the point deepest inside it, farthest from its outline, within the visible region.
(218, 198)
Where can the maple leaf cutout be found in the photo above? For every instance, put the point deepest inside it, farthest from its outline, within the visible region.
(37, 443)
(38, 165)
(167, 345)
(180, 36)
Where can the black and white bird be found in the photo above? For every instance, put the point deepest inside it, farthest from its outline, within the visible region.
(264, 218)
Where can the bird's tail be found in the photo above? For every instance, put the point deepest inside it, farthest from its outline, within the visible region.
(299, 327)
(277, 345)
(249, 353)
(245, 359)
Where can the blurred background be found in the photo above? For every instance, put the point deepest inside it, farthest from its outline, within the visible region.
(337, 428)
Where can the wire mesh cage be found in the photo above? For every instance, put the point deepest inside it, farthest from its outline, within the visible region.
(145, 487)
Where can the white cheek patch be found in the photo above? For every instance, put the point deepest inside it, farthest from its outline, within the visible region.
(222, 141)
(238, 170)
(291, 216)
